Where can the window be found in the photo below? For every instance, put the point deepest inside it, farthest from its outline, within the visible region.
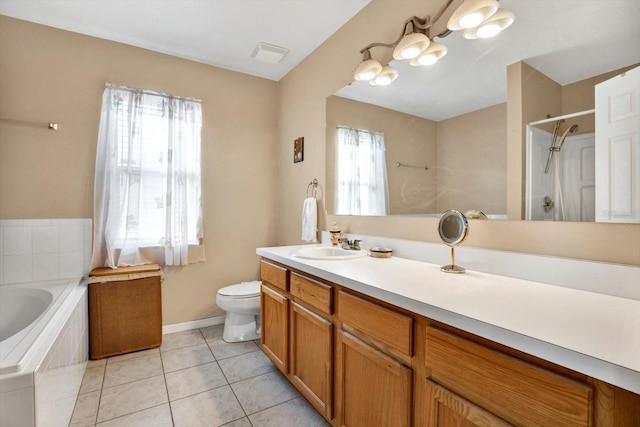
(148, 182)
(361, 173)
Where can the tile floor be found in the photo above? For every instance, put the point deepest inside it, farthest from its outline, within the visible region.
(193, 379)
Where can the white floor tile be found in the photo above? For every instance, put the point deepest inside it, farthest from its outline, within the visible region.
(264, 391)
(212, 408)
(132, 397)
(126, 371)
(186, 357)
(158, 416)
(197, 379)
(245, 366)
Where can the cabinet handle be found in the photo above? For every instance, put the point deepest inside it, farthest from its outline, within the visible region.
(273, 294)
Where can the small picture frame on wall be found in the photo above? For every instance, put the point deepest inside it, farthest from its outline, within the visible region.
(298, 150)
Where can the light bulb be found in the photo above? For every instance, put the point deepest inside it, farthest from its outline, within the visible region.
(428, 59)
(489, 30)
(367, 70)
(410, 46)
(434, 52)
(367, 75)
(471, 20)
(492, 26)
(472, 13)
(383, 80)
(384, 77)
(410, 52)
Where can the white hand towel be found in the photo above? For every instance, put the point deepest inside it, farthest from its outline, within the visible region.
(309, 219)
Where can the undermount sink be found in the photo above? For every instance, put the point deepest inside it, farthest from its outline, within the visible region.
(327, 252)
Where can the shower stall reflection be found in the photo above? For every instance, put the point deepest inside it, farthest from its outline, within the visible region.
(560, 173)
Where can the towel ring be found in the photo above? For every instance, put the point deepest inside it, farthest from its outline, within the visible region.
(314, 186)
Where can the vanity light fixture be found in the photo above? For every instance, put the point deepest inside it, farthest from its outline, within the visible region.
(384, 77)
(434, 52)
(412, 42)
(411, 45)
(472, 13)
(368, 68)
(479, 19)
(491, 26)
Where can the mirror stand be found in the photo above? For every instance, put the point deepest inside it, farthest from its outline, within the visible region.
(452, 268)
(453, 229)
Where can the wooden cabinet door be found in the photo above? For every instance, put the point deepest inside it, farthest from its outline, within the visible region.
(512, 389)
(447, 409)
(274, 311)
(312, 357)
(375, 389)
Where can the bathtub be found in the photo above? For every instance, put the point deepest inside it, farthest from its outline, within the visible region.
(43, 350)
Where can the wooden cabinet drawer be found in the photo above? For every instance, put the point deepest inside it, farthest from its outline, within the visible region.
(274, 275)
(383, 326)
(514, 390)
(312, 293)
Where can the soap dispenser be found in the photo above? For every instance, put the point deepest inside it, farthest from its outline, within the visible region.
(335, 234)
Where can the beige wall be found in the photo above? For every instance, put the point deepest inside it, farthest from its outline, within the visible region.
(301, 112)
(580, 96)
(52, 75)
(472, 161)
(253, 192)
(408, 139)
(531, 96)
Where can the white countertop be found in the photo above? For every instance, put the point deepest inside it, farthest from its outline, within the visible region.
(592, 333)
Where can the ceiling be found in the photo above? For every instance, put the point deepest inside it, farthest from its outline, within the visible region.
(567, 40)
(223, 33)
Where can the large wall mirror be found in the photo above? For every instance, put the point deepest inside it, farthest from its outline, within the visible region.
(444, 127)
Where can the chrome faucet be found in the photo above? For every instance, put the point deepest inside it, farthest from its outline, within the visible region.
(350, 244)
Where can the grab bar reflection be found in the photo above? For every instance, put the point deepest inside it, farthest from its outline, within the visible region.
(398, 165)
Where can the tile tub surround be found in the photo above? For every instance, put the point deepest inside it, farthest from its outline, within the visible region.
(44, 249)
(33, 250)
(193, 379)
(44, 393)
(593, 333)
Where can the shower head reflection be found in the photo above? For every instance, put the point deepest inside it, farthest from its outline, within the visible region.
(572, 129)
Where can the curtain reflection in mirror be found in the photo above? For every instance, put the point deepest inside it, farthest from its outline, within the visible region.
(361, 173)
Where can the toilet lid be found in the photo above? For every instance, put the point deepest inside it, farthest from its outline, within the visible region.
(245, 289)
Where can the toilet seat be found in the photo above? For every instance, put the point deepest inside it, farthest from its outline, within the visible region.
(241, 290)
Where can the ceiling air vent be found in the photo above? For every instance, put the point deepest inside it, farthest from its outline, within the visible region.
(266, 52)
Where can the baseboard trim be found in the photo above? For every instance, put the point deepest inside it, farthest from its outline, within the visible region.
(194, 324)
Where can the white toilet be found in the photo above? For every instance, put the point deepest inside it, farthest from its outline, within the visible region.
(242, 304)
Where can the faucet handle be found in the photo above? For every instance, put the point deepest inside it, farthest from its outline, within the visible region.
(356, 244)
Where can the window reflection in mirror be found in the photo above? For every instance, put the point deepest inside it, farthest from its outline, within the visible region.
(455, 169)
(361, 169)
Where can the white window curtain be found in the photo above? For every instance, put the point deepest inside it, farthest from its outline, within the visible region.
(147, 193)
(361, 173)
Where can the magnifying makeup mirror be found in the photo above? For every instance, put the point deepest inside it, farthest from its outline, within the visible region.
(453, 229)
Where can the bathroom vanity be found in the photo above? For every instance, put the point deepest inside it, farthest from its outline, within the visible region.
(395, 342)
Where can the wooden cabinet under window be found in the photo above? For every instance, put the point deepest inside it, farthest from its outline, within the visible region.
(125, 310)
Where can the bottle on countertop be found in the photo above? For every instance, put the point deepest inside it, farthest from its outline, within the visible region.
(335, 234)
